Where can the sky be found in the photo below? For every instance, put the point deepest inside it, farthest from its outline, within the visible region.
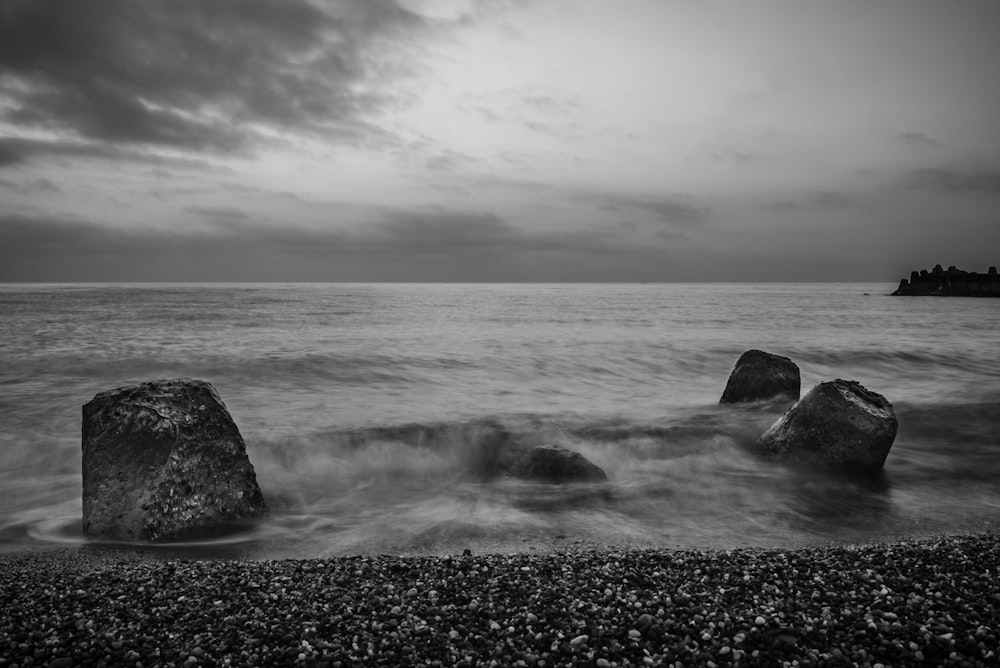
(497, 140)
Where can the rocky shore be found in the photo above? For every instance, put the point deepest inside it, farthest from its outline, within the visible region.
(950, 282)
(916, 602)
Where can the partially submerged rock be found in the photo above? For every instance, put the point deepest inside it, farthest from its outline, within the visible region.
(553, 463)
(838, 424)
(164, 460)
(759, 375)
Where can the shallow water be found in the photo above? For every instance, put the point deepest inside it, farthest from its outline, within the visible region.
(366, 408)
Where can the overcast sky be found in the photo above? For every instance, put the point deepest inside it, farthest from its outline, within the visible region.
(498, 140)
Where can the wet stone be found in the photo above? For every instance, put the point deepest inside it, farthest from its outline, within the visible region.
(338, 612)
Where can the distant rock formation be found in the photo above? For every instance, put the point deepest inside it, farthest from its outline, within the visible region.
(164, 460)
(553, 463)
(839, 424)
(950, 282)
(759, 375)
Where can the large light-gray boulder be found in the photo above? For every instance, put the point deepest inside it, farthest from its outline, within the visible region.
(553, 463)
(759, 375)
(164, 460)
(839, 424)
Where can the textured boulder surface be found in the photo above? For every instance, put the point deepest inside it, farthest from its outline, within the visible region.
(553, 463)
(164, 460)
(838, 424)
(759, 375)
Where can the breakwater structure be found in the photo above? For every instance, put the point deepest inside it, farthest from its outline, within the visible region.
(950, 282)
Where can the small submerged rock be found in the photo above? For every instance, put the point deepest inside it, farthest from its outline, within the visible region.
(759, 375)
(164, 460)
(838, 424)
(553, 463)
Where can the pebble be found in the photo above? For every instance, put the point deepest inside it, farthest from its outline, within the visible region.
(928, 601)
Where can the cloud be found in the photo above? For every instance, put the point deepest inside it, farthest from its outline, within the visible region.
(43, 236)
(222, 215)
(36, 185)
(673, 210)
(516, 185)
(441, 10)
(952, 181)
(917, 139)
(448, 161)
(195, 75)
(22, 150)
(551, 104)
(235, 244)
(728, 154)
(821, 199)
(441, 231)
(671, 236)
(9, 155)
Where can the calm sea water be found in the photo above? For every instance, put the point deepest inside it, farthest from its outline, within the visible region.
(363, 407)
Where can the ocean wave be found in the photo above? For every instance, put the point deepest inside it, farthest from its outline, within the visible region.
(906, 362)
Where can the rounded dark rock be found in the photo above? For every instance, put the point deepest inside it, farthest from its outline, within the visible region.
(759, 375)
(553, 463)
(838, 424)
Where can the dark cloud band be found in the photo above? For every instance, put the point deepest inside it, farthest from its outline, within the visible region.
(953, 181)
(192, 74)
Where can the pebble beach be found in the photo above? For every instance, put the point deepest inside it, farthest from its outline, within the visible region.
(928, 601)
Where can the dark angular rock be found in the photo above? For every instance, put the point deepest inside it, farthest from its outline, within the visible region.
(759, 375)
(164, 460)
(553, 463)
(838, 424)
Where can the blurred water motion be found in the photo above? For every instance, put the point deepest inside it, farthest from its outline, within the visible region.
(374, 414)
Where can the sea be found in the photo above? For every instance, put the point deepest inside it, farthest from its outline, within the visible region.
(366, 408)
